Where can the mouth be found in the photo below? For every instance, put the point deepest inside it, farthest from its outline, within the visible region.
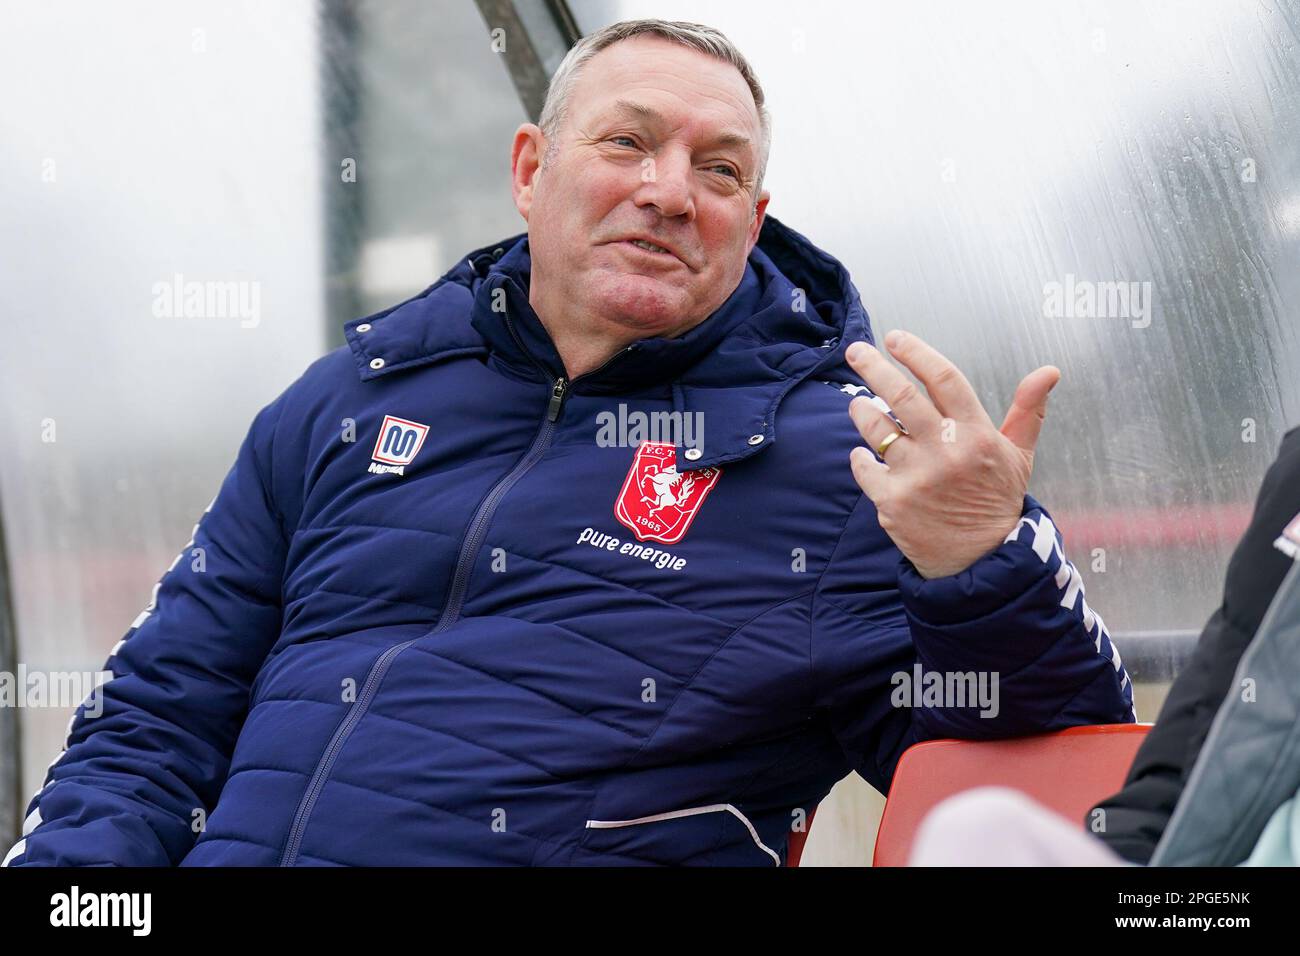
(651, 250)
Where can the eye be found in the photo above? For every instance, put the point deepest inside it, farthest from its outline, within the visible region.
(628, 138)
(727, 170)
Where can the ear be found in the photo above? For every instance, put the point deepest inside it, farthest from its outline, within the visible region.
(525, 160)
(760, 210)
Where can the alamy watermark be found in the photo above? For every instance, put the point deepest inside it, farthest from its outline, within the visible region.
(181, 299)
(626, 429)
(61, 689)
(951, 689)
(1085, 299)
(129, 910)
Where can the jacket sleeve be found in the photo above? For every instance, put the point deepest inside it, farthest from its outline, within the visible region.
(1136, 817)
(1006, 648)
(148, 751)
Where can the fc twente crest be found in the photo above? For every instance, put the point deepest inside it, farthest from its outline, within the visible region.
(657, 501)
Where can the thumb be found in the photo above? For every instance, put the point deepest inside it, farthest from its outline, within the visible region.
(1029, 407)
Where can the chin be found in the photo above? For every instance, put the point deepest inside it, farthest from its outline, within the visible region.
(651, 306)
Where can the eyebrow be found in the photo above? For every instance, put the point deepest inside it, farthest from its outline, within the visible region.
(650, 115)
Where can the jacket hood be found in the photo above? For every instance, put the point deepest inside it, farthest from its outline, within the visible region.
(791, 317)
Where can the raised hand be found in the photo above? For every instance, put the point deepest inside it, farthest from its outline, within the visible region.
(952, 485)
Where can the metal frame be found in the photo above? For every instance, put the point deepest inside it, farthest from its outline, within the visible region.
(11, 738)
(341, 135)
(537, 37)
(1155, 657)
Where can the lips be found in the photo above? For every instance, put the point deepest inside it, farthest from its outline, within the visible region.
(650, 247)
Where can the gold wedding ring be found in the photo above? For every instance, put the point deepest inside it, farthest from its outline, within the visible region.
(884, 445)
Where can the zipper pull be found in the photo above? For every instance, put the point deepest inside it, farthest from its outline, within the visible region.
(557, 398)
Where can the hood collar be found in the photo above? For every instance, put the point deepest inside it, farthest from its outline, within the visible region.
(790, 318)
(506, 320)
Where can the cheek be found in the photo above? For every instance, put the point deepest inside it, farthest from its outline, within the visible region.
(593, 192)
(727, 239)
(724, 226)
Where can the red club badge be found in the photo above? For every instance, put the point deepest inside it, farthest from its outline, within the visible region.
(657, 501)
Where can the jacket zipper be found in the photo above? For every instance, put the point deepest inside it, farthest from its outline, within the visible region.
(478, 527)
(455, 597)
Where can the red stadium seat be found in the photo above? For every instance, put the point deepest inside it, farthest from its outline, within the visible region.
(1068, 771)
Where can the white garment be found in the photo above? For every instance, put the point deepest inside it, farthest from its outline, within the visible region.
(998, 826)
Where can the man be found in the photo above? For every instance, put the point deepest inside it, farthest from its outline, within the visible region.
(440, 623)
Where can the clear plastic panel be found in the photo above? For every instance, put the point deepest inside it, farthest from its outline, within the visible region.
(142, 157)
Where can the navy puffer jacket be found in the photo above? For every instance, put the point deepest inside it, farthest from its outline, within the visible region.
(454, 609)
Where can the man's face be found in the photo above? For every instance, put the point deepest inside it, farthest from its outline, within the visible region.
(660, 142)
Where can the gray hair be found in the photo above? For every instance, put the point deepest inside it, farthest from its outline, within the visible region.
(693, 35)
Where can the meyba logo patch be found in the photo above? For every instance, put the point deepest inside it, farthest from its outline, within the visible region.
(657, 502)
(398, 443)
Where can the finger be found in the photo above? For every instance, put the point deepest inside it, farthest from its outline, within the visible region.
(875, 426)
(870, 474)
(909, 403)
(948, 387)
(1029, 407)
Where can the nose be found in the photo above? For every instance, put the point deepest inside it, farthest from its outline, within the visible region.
(666, 184)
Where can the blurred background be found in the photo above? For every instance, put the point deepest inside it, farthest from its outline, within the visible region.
(972, 165)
